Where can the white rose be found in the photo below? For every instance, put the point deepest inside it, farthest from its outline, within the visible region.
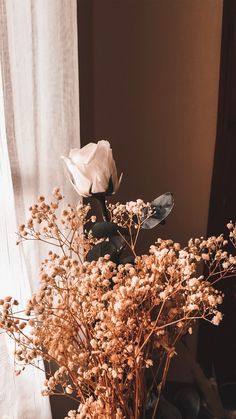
(92, 169)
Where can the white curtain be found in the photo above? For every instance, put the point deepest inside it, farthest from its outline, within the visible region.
(39, 123)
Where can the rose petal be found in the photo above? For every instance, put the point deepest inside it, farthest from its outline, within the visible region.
(99, 184)
(80, 182)
(83, 155)
(92, 169)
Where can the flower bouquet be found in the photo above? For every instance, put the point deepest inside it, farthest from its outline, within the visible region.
(105, 321)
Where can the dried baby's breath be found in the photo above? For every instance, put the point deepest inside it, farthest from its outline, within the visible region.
(104, 324)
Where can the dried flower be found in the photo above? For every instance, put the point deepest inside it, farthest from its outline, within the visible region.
(102, 322)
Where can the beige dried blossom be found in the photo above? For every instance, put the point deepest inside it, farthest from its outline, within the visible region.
(104, 324)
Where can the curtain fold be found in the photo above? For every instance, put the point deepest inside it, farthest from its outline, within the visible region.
(19, 396)
(39, 62)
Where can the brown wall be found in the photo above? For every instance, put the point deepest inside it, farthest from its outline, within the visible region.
(149, 75)
(149, 83)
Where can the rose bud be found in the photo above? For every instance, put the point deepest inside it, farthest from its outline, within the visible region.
(92, 169)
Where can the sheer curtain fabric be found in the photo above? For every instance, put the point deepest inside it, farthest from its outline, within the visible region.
(39, 123)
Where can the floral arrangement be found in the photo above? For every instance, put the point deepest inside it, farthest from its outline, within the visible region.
(104, 319)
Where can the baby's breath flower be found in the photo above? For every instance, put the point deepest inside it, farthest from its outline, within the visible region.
(100, 323)
(217, 318)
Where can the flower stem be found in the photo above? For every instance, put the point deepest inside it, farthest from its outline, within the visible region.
(102, 201)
